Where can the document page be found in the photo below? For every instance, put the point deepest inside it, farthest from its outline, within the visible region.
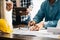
(40, 33)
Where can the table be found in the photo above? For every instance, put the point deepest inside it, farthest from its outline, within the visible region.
(23, 37)
(28, 35)
(41, 33)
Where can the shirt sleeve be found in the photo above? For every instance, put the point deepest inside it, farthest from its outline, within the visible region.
(50, 23)
(58, 14)
(40, 15)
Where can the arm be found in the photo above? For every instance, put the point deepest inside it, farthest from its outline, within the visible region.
(50, 23)
(38, 18)
(40, 15)
(58, 17)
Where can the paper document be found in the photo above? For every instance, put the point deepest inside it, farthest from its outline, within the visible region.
(41, 33)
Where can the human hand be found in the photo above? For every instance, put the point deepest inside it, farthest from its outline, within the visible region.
(9, 6)
(29, 9)
(36, 27)
(31, 23)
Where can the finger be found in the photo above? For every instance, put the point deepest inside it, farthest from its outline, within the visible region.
(36, 28)
(31, 28)
(31, 23)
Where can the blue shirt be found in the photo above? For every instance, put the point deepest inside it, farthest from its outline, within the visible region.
(50, 12)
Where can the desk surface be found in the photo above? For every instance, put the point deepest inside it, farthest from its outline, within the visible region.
(28, 35)
(23, 37)
(41, 33)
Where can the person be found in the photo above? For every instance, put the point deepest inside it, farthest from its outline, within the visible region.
(50, 11)
(8, 13)
(28, 5)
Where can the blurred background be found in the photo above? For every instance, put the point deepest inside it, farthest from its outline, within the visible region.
(18, 13)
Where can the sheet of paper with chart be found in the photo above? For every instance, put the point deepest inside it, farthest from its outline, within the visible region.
(40, 33)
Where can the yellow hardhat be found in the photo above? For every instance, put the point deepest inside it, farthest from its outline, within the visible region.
(4, 26)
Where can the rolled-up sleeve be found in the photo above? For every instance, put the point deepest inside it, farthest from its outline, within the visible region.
(50, 23)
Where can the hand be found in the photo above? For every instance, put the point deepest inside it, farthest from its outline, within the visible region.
(37, 27)
(9, 6)
(31, 23)
(34, 28)
(29, 9)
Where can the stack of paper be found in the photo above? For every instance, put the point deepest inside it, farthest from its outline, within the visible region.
(41, 33)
